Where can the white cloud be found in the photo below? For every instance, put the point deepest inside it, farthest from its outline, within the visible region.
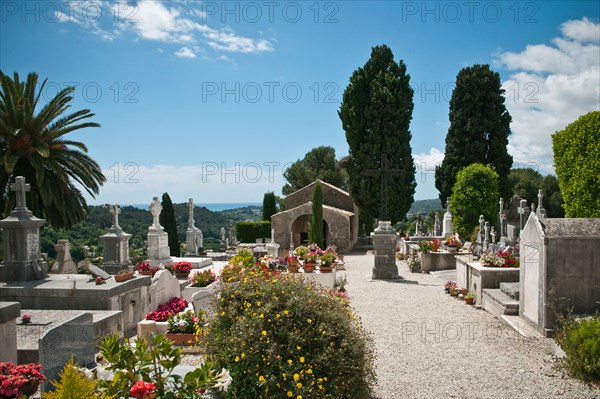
(185, 53)
(425, 164)
(550, 87)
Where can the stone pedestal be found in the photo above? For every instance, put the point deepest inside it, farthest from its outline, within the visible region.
(21, 240)
(447, 225)
(273, 249)
(115, 250)
(195, 242)
(158, 239)
(64, 262)
(384, 241)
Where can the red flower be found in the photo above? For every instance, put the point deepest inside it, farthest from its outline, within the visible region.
(142, 389)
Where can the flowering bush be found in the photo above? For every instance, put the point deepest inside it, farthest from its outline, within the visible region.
(13, 378)
(202, 278)
(165, 310)
(186, 322)
(509, 259)
(315, 248)
(339, 290)
(235, 268)
(284, 337)
(311, 257)
(491, 259)
(272, 263)
(180, 267)
(143, 267)
(292, 260)
(134, 365)
(328, 258)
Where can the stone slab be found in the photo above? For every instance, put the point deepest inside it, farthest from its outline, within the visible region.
(510, 289)
(98, 272)
(164, 288)
(9, 311)
(74, 337)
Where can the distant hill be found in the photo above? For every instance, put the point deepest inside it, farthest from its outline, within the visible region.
(425, 206)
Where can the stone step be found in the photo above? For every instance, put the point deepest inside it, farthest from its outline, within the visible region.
(510, 289)
(498, 303)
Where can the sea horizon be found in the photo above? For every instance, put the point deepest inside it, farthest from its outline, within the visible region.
(211, 206)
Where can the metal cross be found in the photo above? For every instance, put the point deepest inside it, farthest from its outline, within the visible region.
(383, 172)
(20, 187)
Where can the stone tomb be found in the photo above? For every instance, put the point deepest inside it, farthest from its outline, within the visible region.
(9, 311)
(561, 269)
(164, 288)
(115, 245)
(158, 239)
(476, 277)
(74, 337)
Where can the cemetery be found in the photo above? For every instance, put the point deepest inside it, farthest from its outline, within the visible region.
(343, 288)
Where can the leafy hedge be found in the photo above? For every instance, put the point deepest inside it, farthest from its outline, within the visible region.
(250, 231)
(580, 339)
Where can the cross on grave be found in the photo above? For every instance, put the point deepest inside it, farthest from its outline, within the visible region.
(541, 211)
(480, 234)
(20, 187)
(486, 239)
(115, 210)
(383, 172)
(493, 235)
(190, 206)
(523, 211)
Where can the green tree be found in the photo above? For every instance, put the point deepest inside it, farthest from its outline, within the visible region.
(34, 145)
(577, 162)
(479, 129)
(315, 227)
(526, 182)
(474, 193)
(167, 220)
(554, 200)
(318, 163)
(376, 111)
(269, 206)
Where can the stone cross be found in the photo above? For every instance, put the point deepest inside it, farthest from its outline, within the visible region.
(190, 206)
(448, 204)
(501, 203)
(20, 187)
(273, 235)
(383, 172)
(523, 212)
(493, 234)
(541, 212)
(436, 225)
(223, 234)
(115, 210)
(480, 234)
(486, 239)
(155, 209)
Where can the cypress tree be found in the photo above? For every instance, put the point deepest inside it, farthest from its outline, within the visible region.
(376, 111)
(167, 220)
(316, 218)
(269, 206)
(479, 129)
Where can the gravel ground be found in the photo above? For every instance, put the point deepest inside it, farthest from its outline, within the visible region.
(430, 345)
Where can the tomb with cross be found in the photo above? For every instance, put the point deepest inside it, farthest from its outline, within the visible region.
(193, 235)
(21, 239)
(115, 245)
(158, 239)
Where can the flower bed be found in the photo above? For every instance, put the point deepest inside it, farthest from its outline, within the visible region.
(165, 310)
(17, 380)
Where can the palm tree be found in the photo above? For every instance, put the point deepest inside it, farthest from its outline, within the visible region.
(33, 145)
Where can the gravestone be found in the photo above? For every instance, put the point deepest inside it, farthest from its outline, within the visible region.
(447, 224)
(523, 214)
(64, 263)
(193, 235)
(158, 239)
(9, 311)
(115, 245)
(541, 211)
(223, 242)
(75, 337)
(384, 242)
(98, 272)
(437, 227)
(21, 240)
(272, 246)
(560, 269)
(164, 288)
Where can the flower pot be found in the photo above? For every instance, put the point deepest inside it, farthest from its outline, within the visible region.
(309, 267)
(470, 301)
(182, 275)
(292, 269)
(29, 388)
(146, 273)
(326, 269)
(463, 291)
(452, 250)
(181, 339)
(123, 276)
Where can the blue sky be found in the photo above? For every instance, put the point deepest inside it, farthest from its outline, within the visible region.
(212, 100)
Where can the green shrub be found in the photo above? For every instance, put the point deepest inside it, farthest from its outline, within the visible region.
(251, 231)
(580, 340)
(73, 383)
(281, 337)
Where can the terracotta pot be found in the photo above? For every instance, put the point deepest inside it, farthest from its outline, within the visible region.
(181, 339)
(326, 269)
(463, 291)
(470, 301)
(293, 269)
(309, 267)
(123, 276)
(146, 273)
(182, 275)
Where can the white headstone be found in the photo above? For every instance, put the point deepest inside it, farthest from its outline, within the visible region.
(447, 224)
(164, 288)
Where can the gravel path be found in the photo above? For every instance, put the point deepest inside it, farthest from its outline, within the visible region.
(430, 345)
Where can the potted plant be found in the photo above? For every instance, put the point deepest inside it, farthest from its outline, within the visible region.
(310, 262)
(302, 251)
(453, 243)
(292, 263)
(470, 299)
(20, 380)
(184, 327)
(449, 285)
(26, 319)
(491, 259)
(181, 269)
(327, 261)
(414, 264)
(202, 278)
(145, 269)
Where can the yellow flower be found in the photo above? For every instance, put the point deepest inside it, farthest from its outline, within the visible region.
(285, 312)
(237, 358)
(299, 385)
(301, 359)
(277, 315)
(309, 321)
(262, 316)
(290, 362)
(243, 355)
(261, 379)
(290, 394)
(296, 377)
(309, 371)
(264, 332)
